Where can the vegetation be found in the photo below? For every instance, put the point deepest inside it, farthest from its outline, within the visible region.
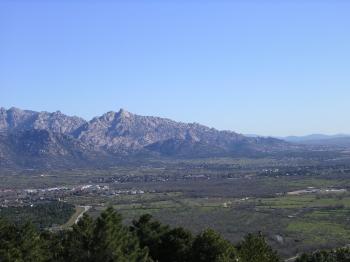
(41, 215)
(292, 224)
(107, 239)
(336, 255)
(254, 249)
(231, 196)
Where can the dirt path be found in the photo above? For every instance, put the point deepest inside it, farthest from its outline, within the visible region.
(291, 259)
(86, 208)
(79, 212)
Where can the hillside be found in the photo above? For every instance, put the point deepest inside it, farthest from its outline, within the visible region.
(33, 139)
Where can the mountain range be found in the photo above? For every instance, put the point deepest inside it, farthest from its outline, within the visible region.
(320, 139)
(338, 140)
(30, 139)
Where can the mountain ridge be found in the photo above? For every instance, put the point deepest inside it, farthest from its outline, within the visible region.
(52, 136)
(313, 137)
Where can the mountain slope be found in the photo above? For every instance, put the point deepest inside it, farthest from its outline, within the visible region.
(16, 119)
(50, 139)
(119, 130)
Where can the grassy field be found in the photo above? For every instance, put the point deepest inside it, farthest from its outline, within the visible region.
(292, 223)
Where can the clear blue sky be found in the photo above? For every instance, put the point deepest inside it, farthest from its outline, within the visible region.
(264, 67)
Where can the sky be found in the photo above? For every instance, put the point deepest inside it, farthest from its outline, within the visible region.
(256, 67)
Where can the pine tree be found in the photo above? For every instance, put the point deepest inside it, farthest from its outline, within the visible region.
(149, 233)
(176, 245)
(21, 244)
(106, 239)
(31, 244)
(8, 247)
(209, 246)
(77, 244)
(255, 249)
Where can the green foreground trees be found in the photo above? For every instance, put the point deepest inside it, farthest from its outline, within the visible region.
(107, 239)
(336, 255)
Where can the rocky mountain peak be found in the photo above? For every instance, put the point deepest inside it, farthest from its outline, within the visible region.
(57, 113)
(124, 114)
(109, 116)
(14, 109)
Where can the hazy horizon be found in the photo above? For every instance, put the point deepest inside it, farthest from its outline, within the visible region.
(266, 68)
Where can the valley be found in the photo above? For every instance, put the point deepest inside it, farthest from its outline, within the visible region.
(300, 204)
(54, 168)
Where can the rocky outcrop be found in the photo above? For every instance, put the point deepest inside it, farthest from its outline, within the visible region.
(16, 119)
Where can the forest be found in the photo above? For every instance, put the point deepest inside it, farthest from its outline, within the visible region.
(106, 238)
(41, 215)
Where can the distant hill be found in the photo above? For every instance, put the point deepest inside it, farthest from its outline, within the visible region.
(320, 139)
(34, 139)
(312, 137)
